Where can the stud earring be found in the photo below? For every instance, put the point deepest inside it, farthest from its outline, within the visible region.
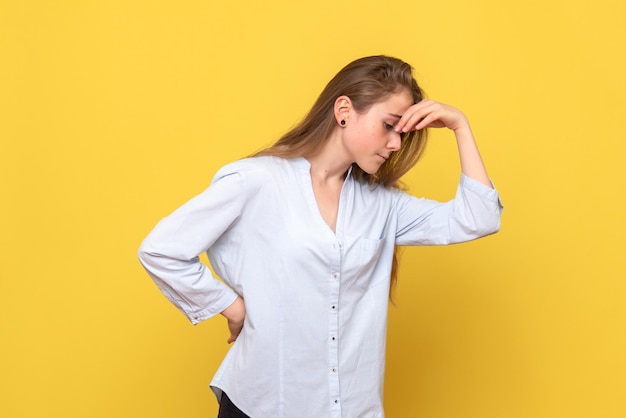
(343, 122)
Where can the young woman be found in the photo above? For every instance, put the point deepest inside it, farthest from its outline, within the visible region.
(303, 235)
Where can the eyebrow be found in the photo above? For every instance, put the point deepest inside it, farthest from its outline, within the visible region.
(394, 115)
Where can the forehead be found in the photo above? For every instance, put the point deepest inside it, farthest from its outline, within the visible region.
(396, 103)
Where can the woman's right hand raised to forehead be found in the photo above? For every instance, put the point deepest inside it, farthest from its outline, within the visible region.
(235, 314)
(431, 114)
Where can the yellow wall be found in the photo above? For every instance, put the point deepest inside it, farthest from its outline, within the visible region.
(112, 113)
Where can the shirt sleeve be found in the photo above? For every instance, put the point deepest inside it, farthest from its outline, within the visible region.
(170, 253)
(474, 212)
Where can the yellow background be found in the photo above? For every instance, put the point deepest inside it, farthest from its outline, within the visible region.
(113, 113)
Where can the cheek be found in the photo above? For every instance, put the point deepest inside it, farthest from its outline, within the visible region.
(370, 136)
(366, 134)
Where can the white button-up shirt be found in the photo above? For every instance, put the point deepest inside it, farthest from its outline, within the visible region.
(313, 341)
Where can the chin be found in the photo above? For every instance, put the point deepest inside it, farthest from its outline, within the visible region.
(369, 170)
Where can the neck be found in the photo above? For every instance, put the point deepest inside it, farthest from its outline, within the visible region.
(331, 163)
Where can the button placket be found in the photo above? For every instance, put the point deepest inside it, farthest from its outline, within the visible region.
(333, 325)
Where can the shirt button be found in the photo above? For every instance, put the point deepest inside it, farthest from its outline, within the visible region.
(334, 338)
(333, 306)
(335, 276)
(336, 400)
(334, 370)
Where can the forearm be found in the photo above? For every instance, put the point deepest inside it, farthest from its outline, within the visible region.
(471, 162)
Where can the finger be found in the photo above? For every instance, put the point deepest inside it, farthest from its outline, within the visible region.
(406, 116)
(418, 113)
(423, 123)
(427, 121)
(409, 120)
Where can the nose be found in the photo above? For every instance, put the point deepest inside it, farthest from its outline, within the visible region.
(395, 141)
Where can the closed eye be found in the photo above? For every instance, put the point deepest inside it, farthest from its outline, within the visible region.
(391, 127)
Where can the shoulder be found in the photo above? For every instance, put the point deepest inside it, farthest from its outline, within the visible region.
(247, 166)
(256, 171)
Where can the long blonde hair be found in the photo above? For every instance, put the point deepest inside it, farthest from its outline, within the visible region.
(365, 81)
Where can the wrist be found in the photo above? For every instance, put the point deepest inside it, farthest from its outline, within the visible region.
(463, 127)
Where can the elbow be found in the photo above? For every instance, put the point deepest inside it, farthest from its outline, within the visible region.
(145, 254)
(494, 228)
(492, 224)
(487, 224)
(481, 230)
(491, 219)
(142, 254)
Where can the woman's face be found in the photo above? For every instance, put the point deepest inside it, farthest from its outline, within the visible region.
(370, 137)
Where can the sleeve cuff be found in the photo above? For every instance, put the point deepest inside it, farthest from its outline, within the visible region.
(485, 192)
(216, 308)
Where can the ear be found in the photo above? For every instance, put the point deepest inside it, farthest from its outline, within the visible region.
(343, 109)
